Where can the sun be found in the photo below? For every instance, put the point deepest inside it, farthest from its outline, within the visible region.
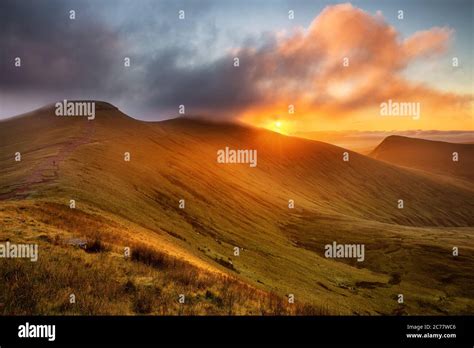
(277, 126)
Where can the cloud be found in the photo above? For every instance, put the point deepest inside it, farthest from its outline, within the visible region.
(56, 52)
(83, 58)
(427, 43)
(302, 67)
(305, 68)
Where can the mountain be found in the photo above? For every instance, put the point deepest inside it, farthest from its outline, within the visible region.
(427, 155)
(280, 250)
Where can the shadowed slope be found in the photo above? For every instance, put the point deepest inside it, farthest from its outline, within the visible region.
(427, 155)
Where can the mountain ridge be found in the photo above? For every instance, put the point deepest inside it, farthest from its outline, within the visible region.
(233, 205)
(432, 156)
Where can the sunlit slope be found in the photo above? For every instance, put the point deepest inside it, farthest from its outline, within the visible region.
(315, 176)
(39, 137)
(181, 154)
(431, 156)
(234, 205)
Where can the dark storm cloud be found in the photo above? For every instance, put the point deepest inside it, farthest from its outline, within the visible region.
(56, 53)
(83, 58)
(209, 88)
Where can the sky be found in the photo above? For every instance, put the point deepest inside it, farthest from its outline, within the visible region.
(282, 61)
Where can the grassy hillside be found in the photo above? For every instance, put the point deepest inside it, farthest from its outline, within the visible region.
(233, 205)
(428, 155)
(105, 282)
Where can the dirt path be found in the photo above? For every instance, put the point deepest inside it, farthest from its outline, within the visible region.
(51, 163)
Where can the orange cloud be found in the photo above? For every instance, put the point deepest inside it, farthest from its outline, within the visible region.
(306, 69)
(427, 43)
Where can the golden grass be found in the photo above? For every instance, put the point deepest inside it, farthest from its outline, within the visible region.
(105, 282)
(136, 204)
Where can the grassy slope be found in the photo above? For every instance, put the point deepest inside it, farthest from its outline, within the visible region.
(427, 155)
(104, 281)
(235, 205)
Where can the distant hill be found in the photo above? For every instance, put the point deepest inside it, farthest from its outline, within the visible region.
(427, 155)
(235, 205)
(365, 142)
